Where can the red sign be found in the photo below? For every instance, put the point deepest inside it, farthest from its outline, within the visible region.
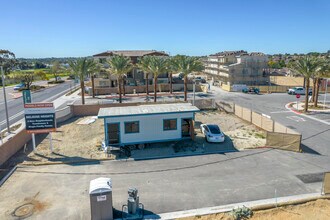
(39, 105)
(297, 96)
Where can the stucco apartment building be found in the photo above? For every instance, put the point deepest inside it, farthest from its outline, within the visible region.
(134, 78)
(237, 67)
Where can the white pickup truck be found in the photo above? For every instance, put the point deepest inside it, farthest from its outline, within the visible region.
(299, 90)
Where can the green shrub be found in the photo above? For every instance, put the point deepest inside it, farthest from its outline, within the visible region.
(241, 213)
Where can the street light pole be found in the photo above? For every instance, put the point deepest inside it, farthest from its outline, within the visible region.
(5, 99)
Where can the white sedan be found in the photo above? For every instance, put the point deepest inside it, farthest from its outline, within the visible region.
(212, 133)
(299, 90)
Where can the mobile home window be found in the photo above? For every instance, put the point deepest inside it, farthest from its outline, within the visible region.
(170, 124)
(132, 127)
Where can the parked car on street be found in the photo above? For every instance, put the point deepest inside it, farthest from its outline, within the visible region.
(19, 86)
(251, 90)
(212, 133)
(299, 90)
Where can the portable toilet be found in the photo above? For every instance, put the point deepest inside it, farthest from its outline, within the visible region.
(100, 193)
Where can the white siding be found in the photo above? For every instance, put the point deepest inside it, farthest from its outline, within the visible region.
(151, 127)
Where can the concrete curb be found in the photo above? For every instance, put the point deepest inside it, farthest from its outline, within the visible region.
(291, 109)
(254, 205)
(3, 180)
(67, 162)
(121, 160)
(182, 155)
(306, 115)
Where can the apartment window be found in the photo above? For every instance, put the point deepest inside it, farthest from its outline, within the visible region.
(132, 127)
(170, 124)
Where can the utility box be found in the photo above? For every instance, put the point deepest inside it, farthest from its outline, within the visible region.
(100, 193)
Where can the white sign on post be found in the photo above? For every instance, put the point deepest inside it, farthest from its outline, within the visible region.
(40, 117)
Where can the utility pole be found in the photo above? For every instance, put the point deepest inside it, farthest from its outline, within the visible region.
(5, 99)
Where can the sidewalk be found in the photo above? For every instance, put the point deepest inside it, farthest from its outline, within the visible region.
(263, 204)
(300, 107)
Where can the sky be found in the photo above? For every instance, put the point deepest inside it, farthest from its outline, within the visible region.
(71, 28)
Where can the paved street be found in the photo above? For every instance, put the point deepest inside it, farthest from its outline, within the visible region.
(166, 185)
(15, 106)
(184, 183)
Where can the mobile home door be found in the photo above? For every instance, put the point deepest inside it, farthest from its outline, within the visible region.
(113, 133)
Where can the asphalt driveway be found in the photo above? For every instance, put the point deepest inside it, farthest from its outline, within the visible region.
(165, 185)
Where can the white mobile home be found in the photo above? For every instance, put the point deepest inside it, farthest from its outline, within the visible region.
(148, 123)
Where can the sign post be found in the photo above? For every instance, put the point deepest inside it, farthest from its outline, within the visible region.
(40, 118)
(26, 96)
(297, 96)
(50, 142)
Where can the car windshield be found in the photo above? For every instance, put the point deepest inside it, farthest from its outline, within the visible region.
(214, 129)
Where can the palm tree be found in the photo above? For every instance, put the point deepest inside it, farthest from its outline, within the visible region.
(97, 69)
(81, 68)
(185, 64)
(157, 65)
(143, 64)
(171, 70)
(120, 65)
(307, 66)
(323, 71)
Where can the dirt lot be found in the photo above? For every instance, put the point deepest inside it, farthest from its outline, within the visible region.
(75, 141)
(243, 134)
(319, 209)
(72, 141)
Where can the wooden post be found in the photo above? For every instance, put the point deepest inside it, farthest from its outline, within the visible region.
(192, 130)
(93, 87)
(50, 142)
(33, 142)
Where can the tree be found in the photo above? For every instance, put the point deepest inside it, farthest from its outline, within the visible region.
(27, 78)
(97, 69)
(143, 65)
(185, 65)
(39, 65)
(120, 65)
(307, 66)
(323, 71)
(171, 70)
(56, 69)
(23, 65)
(41, 74)
(7, 60)
(157, 66)
(81, 68)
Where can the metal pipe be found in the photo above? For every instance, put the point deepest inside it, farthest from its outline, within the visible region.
(5, 99)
